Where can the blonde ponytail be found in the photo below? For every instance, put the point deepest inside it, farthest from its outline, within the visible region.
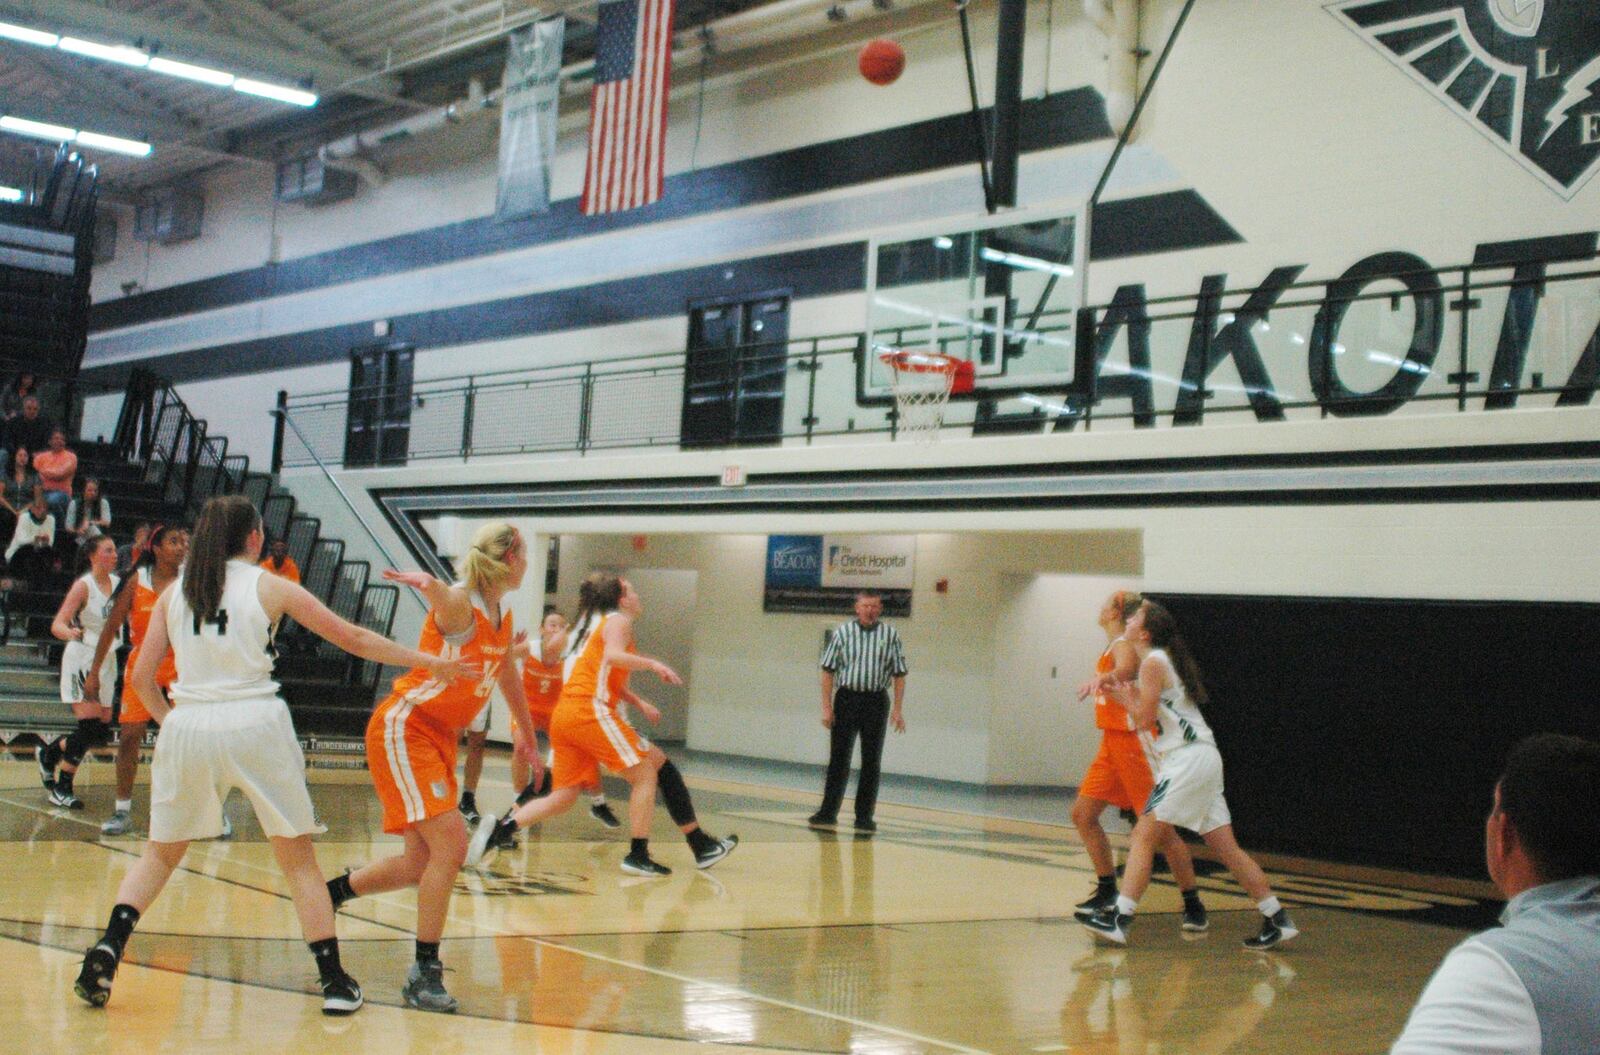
(485, 564)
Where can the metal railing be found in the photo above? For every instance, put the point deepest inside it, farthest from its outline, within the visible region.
(1384, 339)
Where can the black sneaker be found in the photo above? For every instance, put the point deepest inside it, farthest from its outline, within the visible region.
(1099, 901)
(644, 866)
(1109, 925)
(341, 995)
(491, 834)
(715, 852)
(64, 798)
(44, 756)
(94, 979)
(1275, 930)
(1195, 920)
(868, 825)
(601, 811)
(527, 795)
(821, 820)
(424, 988)
(470, 814)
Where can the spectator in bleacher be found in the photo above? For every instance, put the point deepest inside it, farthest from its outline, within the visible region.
(25, 385)
(56, 466)
(279, 563)
(128, 554)
(88, 517)
(29, 429)
(16, 490)
(31, 554)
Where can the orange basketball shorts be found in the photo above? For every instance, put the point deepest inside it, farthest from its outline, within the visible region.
(133, 709)
(585, 737)
(413, 765)
(1120, 773)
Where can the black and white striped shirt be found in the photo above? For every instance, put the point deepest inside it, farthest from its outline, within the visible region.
(864, 660)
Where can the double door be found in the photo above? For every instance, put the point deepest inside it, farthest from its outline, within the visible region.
(735, 371)
(378, 426)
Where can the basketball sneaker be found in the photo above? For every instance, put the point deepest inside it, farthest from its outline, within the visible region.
(822, 820)
(94, 979)
(1275, 930)
(601, 811)
(715, 852)
(491, 834)
(341, 995)
(424, 989)
(469, 813)
(45, 756)
(1195, 920)
(64, 798)
(1099, 901)
(1109, 925)
(120, 823)
(644, 866)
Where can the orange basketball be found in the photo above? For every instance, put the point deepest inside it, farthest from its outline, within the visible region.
(881, 61)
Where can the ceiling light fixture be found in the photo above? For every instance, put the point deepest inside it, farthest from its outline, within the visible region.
(138, 57)
(62, 134)
(10, 194)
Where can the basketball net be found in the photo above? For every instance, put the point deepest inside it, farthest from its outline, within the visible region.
(921, 382)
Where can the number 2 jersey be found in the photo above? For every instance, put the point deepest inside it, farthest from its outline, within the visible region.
(228, 655)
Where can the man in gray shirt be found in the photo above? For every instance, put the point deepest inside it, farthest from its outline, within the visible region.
(1533, 985)
(862, 659)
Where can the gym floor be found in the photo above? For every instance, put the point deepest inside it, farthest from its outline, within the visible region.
(950, 930)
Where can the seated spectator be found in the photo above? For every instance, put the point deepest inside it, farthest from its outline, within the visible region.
(56, 467)
(29, 429)
(30, 555)
(278, 561)
(89, 517)
(25, 385)
(17, 489)
(128, 554)
(1533, 985)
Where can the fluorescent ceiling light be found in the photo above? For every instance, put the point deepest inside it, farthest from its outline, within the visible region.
(38, 129)
(122, 53)
(190, 72)
(28, 36)
(274, 91)
(10, 194)
(116, 145)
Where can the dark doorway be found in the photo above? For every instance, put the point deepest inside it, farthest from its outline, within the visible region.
(735, 371)
(378, 428)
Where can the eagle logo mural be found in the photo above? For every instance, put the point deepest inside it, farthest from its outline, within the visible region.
(1525, 73)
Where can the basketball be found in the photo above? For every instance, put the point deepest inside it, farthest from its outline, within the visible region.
(882, 61)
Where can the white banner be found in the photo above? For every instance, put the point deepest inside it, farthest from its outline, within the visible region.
(868, 562)
(528, 113)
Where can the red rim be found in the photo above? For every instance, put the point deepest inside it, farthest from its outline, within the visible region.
(920, 362)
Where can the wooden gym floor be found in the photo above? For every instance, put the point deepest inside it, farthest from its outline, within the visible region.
(945, 932)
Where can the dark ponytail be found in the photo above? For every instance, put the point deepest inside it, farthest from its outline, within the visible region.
(599, 593)
(221, 532)
(1163, 630)
(86, 553)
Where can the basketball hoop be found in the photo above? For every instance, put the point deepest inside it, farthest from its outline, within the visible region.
(922, 383)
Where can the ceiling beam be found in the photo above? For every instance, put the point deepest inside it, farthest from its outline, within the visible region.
(248, 14)
(196, 45)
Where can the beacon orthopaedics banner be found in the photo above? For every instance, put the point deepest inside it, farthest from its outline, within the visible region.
(822, 573)
(528, 113)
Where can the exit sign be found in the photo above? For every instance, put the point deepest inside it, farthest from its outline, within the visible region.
(733, 476)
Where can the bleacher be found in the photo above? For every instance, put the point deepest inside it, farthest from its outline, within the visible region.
(161, 465)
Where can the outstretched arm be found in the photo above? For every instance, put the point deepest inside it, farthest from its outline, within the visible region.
(452, 607)
(281, 597)
(618, 635)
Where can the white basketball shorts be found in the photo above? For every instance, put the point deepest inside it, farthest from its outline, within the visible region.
(206, 749)
(1188, 791)
(75, 660)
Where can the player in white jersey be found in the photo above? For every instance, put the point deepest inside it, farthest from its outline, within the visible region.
(230, 729)
(79, 622)
(1165, 705)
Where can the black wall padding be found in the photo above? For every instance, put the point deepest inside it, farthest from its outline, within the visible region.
(1372, 731)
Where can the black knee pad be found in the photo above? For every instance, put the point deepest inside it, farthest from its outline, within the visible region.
(676, 794)
(87, 735)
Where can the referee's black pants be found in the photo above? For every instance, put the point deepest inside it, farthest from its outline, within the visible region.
(855, 713)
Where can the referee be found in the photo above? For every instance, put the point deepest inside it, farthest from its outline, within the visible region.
(864, 655)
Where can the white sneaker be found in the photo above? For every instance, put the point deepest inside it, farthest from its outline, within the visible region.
(120, 823)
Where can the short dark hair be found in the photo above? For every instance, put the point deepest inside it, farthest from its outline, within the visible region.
(1550, 792)
(868, 595)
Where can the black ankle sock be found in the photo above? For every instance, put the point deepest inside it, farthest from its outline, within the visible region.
(1190, 896)
(699, 841)
(340, 890)
(120, 927)
(639, 848)
(546, 783)
(427, 951)
(64, 781)
(469, 801)
(326, 952)
(1105, 884)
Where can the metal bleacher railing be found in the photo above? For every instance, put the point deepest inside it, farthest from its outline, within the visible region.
(1393, 337)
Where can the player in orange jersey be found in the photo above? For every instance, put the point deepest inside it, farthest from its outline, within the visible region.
(588, 731)
(158, 567)
(1121, 774)
(411, 743)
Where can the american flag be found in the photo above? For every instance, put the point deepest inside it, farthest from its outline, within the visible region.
(628, 122)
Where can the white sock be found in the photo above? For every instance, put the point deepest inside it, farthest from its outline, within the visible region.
(124, 806)
(597, 799)
(1126, 905)
(1270, 906)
